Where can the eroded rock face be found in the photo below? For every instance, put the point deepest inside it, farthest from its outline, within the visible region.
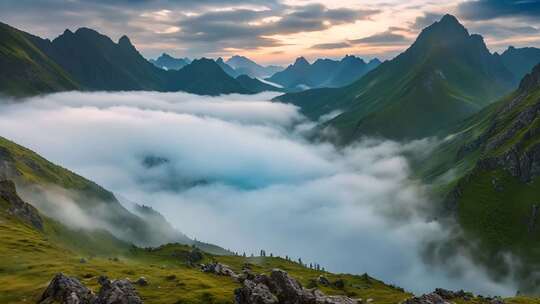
(66, 290)
(281, 288)
(18, 207)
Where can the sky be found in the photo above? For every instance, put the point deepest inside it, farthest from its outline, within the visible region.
(276, 31)
(239, 171)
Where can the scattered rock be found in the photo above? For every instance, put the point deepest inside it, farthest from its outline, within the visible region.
(142, 281)
(117, 292)
(63, 289)
(66, 290)
(254, 293)
(323, 280)
(83, 261)
(219, 269)
(431, 298)
(281, 288)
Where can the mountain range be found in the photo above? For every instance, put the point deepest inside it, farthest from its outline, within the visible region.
(445, 76)
(166, 61)
(88, 60)
(245, 66)
(323, 73)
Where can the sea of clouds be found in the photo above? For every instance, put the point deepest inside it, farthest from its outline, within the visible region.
(239, 172)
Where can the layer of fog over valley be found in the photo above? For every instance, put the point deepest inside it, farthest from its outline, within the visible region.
(240, 172)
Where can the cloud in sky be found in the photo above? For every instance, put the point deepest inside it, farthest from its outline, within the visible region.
(491, 9)
(275, 31)
(239, 173)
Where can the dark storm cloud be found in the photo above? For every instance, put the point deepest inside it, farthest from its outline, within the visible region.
(490, 9)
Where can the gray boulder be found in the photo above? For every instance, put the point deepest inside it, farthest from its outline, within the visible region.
(281, 288)
(117, 292)
(431, 298)
(65, 290)
(219, 269)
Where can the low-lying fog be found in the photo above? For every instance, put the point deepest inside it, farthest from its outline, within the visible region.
(237, 171)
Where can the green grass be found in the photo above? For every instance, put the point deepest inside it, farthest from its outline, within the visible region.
(29, 259)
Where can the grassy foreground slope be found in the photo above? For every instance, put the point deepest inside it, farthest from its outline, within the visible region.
(29, 258)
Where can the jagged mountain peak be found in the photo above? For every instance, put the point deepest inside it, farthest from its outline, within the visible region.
(301, 61)
(446, 31)
(124, 40)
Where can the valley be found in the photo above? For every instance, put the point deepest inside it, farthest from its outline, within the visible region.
(270, 153)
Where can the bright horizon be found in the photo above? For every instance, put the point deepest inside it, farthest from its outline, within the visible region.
(276, 31)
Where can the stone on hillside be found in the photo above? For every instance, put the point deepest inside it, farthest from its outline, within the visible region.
(219, 269)
(281, 288)
(254, 293)
(323, 280)
(142, 281)
(65, 290)
(117, 292)
(431, 298)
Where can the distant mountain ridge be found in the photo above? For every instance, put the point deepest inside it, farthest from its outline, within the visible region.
(245, 66)
(446, 75)
(166, 61)
(323, 72)
(88, 60)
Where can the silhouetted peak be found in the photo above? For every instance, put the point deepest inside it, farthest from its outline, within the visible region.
(301, 61)
(450, 20)
(124, 41)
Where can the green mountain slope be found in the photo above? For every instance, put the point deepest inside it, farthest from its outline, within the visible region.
(91, 61)
(25, 69)
(489, 170)
(30, 255)
(445, 76)
(48, 186)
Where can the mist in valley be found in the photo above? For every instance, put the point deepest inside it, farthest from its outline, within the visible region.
(239, 171)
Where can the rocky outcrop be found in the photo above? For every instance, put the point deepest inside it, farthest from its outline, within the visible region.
(219, 269)
(281, 288)
(17, 207)
(117, 292)
(431, 298)
(66, 290)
